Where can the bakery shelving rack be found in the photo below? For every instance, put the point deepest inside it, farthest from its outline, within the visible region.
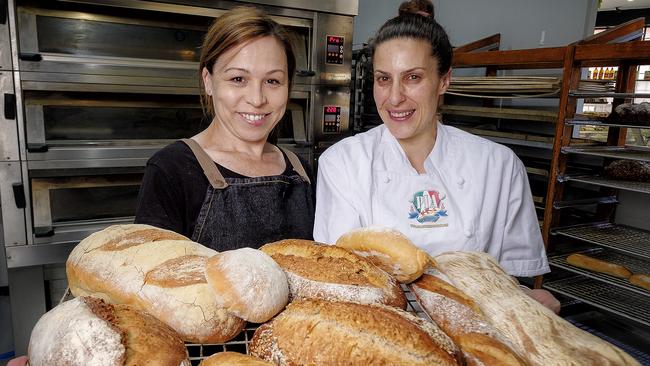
(599, 237)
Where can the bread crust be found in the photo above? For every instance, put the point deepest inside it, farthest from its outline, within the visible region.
(316, 270)
(597, 265)
(640, 280)
(330, 333)
(533, 330)
(164, 278)
(388, 249)
(233, 359)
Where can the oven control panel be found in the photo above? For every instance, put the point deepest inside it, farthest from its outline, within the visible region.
(334, 50)
(331, 119)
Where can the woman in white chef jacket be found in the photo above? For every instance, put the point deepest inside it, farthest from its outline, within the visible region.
(444, 188)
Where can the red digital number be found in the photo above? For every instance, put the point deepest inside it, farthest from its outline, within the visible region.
(334, 39)
(330, 109)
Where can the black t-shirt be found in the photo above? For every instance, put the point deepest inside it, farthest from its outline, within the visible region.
(174, 187)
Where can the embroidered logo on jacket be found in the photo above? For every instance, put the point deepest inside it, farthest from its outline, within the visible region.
(428, 209)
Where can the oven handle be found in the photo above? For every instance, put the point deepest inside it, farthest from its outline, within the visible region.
(305, 73)
(19, 194)
(10, 106)
(3, 11)
(36, 57)
(43, 231)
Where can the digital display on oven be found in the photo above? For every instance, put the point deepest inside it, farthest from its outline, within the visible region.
(331, 119)
(334, 50)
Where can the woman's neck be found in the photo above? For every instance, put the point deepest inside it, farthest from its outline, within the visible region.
(418, 148)
(218, 138)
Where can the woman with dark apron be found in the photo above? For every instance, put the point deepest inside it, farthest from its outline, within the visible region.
(227, 187)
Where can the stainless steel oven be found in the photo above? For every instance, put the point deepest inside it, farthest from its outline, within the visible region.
(92, 88)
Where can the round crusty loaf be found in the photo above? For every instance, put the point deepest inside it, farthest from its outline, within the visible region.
(156, 271)
(327, 272)
(87, 331)
(233, 359)
(317, 332)
(251, 285)
(388, 249)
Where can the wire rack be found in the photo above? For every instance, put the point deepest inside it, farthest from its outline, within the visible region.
(625, 303)
(642, 187)
(618, 237)
(634, 264)
(616, 152)
(593, 122)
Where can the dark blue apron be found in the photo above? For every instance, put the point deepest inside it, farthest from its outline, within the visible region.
(250, 212)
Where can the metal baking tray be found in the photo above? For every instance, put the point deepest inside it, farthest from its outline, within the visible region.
(622, 238)
(612, 299)
(642, 187)
(634, 264)
(615, 152)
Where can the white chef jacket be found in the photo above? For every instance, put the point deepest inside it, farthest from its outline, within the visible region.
(474, 196)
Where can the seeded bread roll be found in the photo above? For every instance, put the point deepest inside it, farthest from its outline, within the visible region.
(463, 321)
(316, 332)
(388, 249)
(327, 272)
(87, 331)
(251, 285)
(233, 359)
(532, 329)
(156, 271)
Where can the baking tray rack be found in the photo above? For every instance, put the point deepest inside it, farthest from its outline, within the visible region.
(636, 265)
(642, 187)
(615, 152)
(618, 237)
(612, 299)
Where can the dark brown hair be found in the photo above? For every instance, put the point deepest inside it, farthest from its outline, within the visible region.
(235, 27)
(416, 21)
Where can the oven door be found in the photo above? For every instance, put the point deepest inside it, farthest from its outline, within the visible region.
(5, 39)
(293, 132)
(69, 206)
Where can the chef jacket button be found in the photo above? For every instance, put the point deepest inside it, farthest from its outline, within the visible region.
(461, 181)
(387, 180)
(468, 233)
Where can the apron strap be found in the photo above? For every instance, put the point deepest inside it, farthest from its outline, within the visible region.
(209, 167)
(296, 165)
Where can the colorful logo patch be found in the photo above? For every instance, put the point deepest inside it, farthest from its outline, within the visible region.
(427, 207)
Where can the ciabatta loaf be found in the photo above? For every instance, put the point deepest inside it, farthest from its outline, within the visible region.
(156, 271)
(87, 331)
(317, 332)
(388, 249)
(327, 272)
(532, 329)
(463, 321)
(233, 359)
(250, 284)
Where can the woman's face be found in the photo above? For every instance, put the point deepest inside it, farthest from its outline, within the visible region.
(407, 87)
(249, 86)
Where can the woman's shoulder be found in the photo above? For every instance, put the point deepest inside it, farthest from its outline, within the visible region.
(172, 155)
(359, 147)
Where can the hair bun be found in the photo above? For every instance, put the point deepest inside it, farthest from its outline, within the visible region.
(419, 7)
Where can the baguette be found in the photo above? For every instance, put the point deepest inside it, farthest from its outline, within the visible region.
(533, 330)
(597, 265)
(252, 286)
(156, 271)
(328, 272)
(316, 332)
(87, 331)
(233, 359)
(641, 280)
(388, 249)
(463, 321)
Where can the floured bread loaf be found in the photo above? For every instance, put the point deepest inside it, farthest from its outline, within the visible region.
(463, 321)
(388, 249)
(153, 270)
(233, 359)
(251, 285)
(533, 330)
(87, 331)
(331, 273)
(316, 332)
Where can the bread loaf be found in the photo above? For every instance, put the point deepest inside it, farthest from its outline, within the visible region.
(463, 321)
(87, 331)
(533, 330)
(316, 332)
(632, 170)
(233, 359)
(388, 249)
(156, 271)
(331, 273)
(597, 265)
(641, 280)
(250, 284)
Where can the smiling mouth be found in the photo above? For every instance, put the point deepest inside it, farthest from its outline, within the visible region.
(254, 118)
(402, 115)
